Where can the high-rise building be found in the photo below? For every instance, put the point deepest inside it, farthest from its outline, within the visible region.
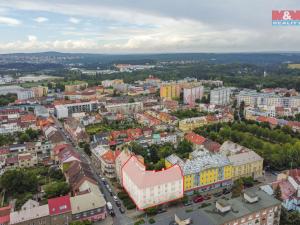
(170, 91)
(40, 91)
(220, 96)
(190, 94)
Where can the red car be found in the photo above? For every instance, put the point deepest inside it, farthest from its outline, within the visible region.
(206, 197)
(198, 199)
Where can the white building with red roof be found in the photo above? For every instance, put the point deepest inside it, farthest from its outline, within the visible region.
(151, 188)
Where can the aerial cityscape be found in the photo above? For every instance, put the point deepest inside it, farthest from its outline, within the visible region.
(149, 112)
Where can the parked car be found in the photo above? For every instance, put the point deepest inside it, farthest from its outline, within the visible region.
(121, 210)
(188, 203)
(109, 206)
(162, 210)
(198, 199)
(112, 213)
(225, 191)
(115, 198)
(218, 194)
(118, 203)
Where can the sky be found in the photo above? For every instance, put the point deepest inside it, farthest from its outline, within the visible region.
(145, 26)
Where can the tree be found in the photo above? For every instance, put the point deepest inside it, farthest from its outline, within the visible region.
(184, 147)
(277, 193)
(19, 182)
(24, 138)
(55, 173)
(151, 211)
(55, 189)
(6, 99)
(87, 149)
(237, 188)
(33, 134)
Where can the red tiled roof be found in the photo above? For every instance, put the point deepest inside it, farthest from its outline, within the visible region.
(67, 153)
(271, 120)
(195, 138)
(58, 148)
(110, 155)
(4, 151)
(59, 205)
(11, 160)
(25, 157)
(293, 124)
(212, 146)
(28, 118)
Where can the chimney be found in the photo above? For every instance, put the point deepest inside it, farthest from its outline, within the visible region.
(223, 206)
(250, 197)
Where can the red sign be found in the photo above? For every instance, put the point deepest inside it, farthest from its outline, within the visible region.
(286, 15)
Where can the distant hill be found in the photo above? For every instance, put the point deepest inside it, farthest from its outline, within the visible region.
(251, 58)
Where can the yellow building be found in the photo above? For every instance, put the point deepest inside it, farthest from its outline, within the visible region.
(192, 123)
(170, 91)
(245, 162)
(203, 171)
(76, 86)
(40, 91)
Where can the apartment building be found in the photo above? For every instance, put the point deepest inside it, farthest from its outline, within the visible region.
(245, 162)
(203, 171)
(111, 83)
(60, 210)
(40, 91)
(76, 86)
(125, 108)
(190, 124)
(255, 99)
(220, 96)
(89, 206)
(252, 208)
(27, 160)
(190, 94)
(31, 213)
(170, 91)
(64, 109)
(151, 188)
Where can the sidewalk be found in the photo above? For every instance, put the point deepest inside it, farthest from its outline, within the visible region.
(107, 221)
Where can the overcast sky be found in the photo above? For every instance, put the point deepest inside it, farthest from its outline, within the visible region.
(145, 26)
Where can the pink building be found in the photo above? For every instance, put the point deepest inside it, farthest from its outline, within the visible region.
(190, 94)
(151, 188)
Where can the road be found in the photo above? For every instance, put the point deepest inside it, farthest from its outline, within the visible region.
(119, 219)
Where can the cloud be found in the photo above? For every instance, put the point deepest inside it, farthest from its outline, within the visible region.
(41, 19)
(157, 26)
(32, 38)
(74, 20)
(9, 21)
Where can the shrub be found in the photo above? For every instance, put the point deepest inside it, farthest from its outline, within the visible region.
(151, 220)
(141, 221)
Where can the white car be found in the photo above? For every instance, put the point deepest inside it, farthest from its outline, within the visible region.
(115, 198)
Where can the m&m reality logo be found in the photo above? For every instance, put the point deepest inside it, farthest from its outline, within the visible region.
(286, 17)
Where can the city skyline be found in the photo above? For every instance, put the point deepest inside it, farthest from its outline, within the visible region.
(144, 26)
